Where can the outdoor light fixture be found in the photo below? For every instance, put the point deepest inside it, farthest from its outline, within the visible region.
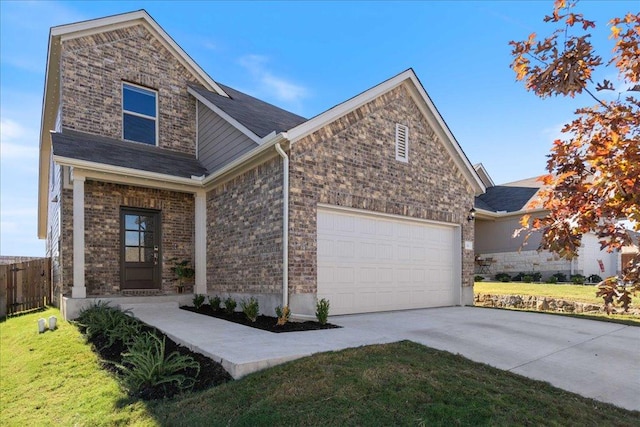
(472, 214)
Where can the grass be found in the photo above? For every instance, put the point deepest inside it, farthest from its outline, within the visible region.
(55, 379)
(578, 293)
(393, 384)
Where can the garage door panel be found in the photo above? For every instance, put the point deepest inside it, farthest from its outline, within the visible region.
(368, 263)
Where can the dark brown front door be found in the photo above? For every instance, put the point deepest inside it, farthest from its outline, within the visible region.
(140, 249)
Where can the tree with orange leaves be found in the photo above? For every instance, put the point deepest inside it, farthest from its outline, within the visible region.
(593, 182)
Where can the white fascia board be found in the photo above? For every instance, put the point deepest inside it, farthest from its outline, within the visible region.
(50, 105)
(340, 110)
(430, 112)
(93, 169)
(279, 138)
(233, 122)
(445, 134)
(485, 214)
(110, 23)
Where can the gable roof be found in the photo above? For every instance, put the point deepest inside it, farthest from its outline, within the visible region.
(255, 115)
(71, 144)
(51, 99)
(422, 100)
(510, 197)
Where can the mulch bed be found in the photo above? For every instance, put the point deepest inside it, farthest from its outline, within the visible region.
(266, 323)
(211, 372)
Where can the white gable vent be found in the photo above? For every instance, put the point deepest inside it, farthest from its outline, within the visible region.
(402, 143)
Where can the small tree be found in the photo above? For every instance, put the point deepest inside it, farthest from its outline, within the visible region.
(183, 271)
(593, 181)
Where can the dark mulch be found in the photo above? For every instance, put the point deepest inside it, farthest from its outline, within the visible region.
(211, 372)
(266, 323)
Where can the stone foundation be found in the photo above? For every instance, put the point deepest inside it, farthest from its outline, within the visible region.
(528, 302)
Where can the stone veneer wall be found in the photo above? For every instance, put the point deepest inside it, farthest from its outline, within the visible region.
(351, 162)
(527, 262)
(102, 237)
(93, 69)
(244, 232)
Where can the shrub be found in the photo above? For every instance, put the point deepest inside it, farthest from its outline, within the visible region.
(561, 277)
(578, 279)
(100, 319)
(518, 277)
(594, 278)
(283, 314)
(322, 311)
(478, 278)
(230, 306)
(145, 365)
(215, 303)
(527, 278)
(198, 300)
(503, 277)
(250, 308)
(537, 276)
(552, 279)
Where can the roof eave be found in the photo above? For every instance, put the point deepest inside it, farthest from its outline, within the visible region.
(297, 133)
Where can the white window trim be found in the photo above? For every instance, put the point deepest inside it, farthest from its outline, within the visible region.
(399, 157)
(156, 119)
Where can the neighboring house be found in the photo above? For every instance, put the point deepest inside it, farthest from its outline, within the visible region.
(145, 159)
(498, 215)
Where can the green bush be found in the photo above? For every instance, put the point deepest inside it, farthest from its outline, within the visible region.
(322, 311)
(230, 306)
(145, 365)
(198, 300)
(527, 278)
(594, 278)
(111, 322)
(215, 303)
(250, 308)
(478, 278)
(552, 279)
(537, 276)
(560, 277)
(503, 277)
(517, 277)
(578, 279)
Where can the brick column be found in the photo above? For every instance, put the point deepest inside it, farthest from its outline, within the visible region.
(79, 290)
(201, 242)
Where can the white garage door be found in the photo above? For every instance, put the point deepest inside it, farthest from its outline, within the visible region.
(372, 263)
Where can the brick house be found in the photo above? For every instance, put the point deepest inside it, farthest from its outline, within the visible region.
(145, 159)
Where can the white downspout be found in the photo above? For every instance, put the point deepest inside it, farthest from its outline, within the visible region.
(285, 225)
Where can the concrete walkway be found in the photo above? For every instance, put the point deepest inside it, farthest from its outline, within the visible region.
(595, 359)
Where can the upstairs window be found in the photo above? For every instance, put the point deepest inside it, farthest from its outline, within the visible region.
(139, 114)
(402, 143)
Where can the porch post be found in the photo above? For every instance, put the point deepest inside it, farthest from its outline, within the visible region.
(201, 242)
(79, 290)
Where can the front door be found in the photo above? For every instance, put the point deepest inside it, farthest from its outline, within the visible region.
(140, 249)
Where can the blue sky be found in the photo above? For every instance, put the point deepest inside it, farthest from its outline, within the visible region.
(307, 57)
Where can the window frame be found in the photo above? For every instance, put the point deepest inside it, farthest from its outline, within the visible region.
(136, 114)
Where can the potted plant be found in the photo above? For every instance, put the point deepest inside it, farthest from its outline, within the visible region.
(183, 271)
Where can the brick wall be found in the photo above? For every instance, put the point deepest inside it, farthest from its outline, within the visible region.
(102, 238)
(244, 232)
(351, 162)
(93, 69)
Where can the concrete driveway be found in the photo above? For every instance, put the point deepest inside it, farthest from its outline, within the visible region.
(594, 359)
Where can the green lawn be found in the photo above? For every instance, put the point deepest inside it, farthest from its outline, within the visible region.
(55, 379)
(581, 293)
(578, 293)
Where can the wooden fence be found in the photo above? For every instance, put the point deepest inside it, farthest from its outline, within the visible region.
(25, 286)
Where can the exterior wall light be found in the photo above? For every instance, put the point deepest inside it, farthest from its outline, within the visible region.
(472, 215)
